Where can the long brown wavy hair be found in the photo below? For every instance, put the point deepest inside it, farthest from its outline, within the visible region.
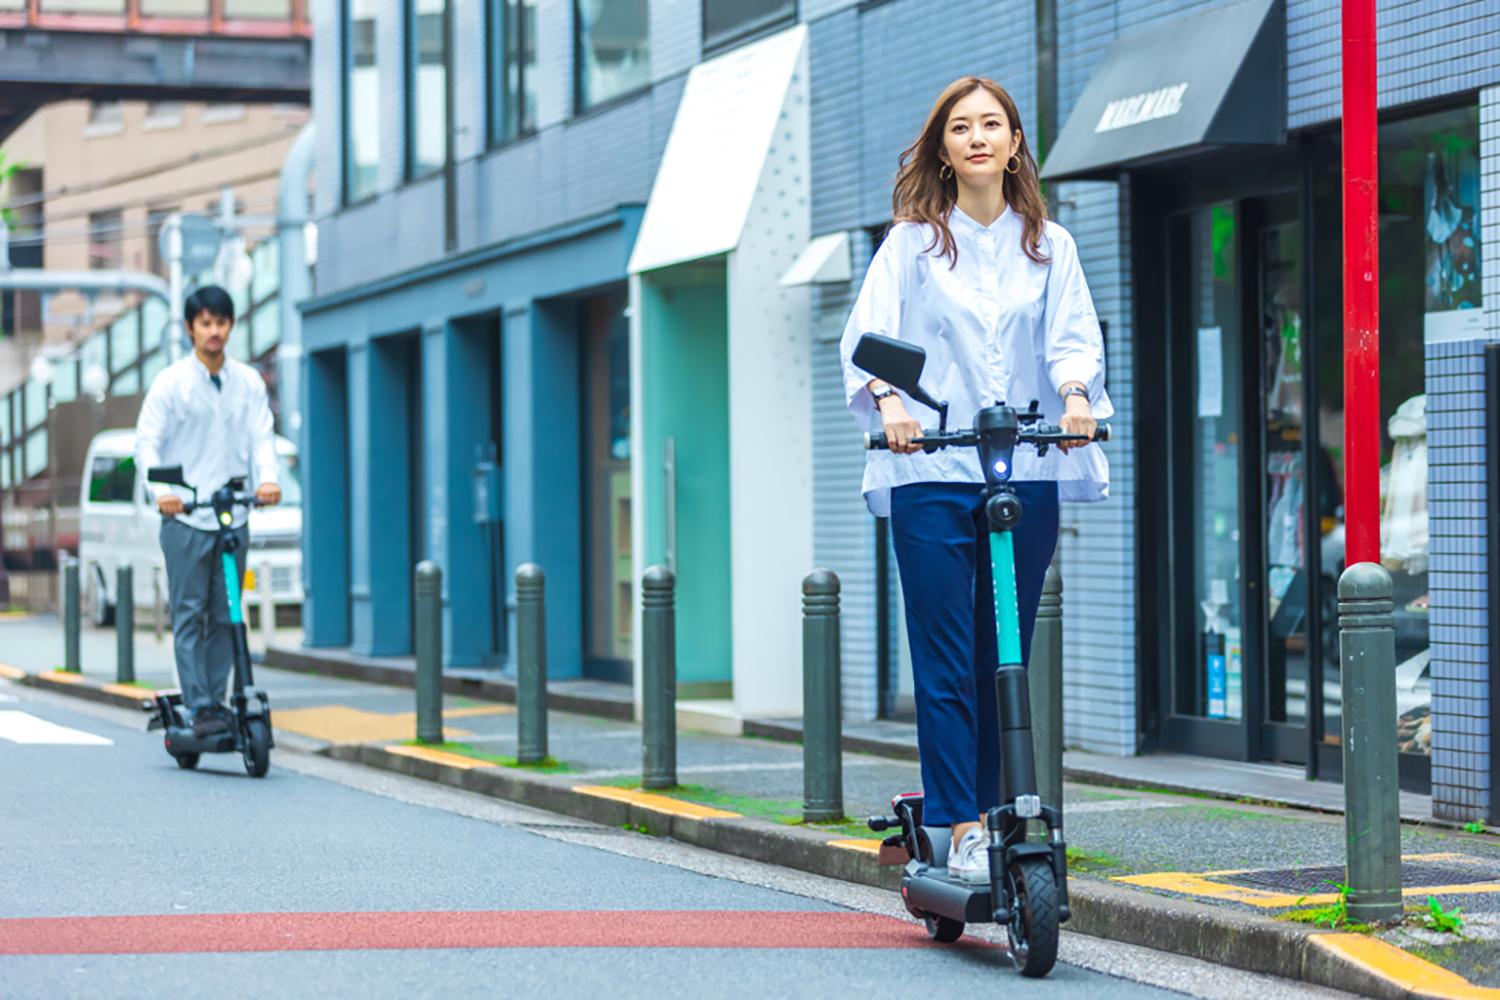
(922, 194)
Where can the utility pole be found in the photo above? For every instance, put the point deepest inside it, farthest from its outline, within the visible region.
(1361, 288)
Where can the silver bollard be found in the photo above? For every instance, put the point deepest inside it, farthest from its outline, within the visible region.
(429, 648)
(158, 605)
(658, 679)
(1372, 808)
(125, 624)
(531, 664)
(1046, 682)
(72, 623)
(822, 703)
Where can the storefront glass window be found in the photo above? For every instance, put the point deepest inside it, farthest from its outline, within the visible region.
(426, 81)
(361, 101)
(1429, 291)
(728, 21)
(614, 49)
(606, 441)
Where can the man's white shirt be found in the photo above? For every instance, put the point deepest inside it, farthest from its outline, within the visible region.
(214, 433)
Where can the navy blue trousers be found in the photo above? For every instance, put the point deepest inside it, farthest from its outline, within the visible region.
(942, 549)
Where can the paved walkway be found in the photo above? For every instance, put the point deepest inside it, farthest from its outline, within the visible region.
(1247, 857)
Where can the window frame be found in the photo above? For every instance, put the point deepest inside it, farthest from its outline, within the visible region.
(410, 63)
(746, 33)
(347, 197)
(580, 108)
(497, 61)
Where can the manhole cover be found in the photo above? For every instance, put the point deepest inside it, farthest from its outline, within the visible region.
(1311, 881)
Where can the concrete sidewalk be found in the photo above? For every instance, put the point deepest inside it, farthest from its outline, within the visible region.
(1209, 878)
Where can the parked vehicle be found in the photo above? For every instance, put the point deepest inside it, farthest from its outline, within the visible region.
(119, 523)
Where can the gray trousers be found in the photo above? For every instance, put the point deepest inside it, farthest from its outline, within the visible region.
(201, 633)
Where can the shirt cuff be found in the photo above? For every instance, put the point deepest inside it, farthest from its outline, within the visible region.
(1081, 370)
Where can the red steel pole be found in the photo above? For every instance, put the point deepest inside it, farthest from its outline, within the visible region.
(1361, 289)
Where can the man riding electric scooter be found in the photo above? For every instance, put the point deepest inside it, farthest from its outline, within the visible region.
(208, 414)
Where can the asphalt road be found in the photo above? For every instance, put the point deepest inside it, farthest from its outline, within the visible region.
(121, 875)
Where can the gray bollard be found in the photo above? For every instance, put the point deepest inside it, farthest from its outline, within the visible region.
(1045, 674)
(658, 679)
(1372, 818)
(822, 701)
(125, 624)
(531, 664)
(429, 646)
(72, 622)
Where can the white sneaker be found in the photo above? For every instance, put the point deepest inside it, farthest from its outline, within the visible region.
(969, 861)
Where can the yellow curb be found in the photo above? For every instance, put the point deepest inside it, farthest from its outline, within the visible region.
(138, 693)
(867, 846)
(656, 803)
(470, 711)
(60, 677)
(342, 724)
(439, 757)
(1190, 884)
(1386, 961)
(11, 673)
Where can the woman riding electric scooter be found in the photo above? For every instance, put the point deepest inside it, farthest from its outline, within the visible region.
(973, 272)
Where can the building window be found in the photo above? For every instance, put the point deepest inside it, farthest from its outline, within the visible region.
(426, 86)
(105, 118)
(105, 234)
(512, 25)
(361, 101)
(613, 49)
(726, 22)
(163, 114)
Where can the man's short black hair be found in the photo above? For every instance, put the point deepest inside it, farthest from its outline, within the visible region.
(209, 299)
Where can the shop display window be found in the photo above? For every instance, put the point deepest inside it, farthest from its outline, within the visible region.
(1429, 292)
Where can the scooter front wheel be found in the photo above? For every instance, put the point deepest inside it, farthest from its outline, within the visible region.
(1034, 918)
(186, 761)
(257, 752)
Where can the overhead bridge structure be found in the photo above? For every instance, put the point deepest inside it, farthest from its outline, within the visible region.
(250, 51)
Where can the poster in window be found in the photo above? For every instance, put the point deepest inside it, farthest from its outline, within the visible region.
(1450, 205)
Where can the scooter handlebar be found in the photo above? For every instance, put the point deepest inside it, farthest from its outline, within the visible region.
(876, 441)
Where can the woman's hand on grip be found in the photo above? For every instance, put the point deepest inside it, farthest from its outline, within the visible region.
(903, 434)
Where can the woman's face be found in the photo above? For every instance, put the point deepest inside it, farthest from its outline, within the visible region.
(977, 140)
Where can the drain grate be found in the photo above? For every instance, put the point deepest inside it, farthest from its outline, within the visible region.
(1310, 881)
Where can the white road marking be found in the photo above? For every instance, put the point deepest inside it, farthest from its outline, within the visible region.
(23, 727)
(7, 697)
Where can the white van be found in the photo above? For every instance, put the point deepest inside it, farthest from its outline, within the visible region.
(119, 522)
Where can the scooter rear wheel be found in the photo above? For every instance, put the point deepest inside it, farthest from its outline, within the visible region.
(944, 930)
(1034, 919)
(186, 761)
(257, 752)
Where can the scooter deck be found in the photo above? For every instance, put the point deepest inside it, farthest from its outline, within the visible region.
(180, 740)
(933, 890)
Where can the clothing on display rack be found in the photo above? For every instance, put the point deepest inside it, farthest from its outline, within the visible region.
(1403, 512)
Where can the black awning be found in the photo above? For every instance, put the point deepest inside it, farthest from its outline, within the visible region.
(1212, 79)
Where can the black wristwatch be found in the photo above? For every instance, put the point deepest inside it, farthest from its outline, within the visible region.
(1075, 390)
(880, 394)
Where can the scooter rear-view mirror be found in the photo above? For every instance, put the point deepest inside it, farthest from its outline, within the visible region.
(898, 363)
(171, 475)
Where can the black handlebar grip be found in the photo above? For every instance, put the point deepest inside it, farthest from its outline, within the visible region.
(1101, 433)
(875, 441)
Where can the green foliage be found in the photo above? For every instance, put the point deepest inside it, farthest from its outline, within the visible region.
(1082, 861)
(8, 169)
(1474, 827)
(547, 765)
(1444, 921)
(1335, 915)
(636, 828)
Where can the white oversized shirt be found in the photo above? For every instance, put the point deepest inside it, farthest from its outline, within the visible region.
(997, 327)
(213, 433)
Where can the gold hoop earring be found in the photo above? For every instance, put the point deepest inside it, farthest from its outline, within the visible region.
(1017, 169)
(945, 172)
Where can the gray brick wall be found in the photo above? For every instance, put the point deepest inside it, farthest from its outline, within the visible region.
(327, 101)
(1428, 49)
(676, 36)
(1459, 619)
